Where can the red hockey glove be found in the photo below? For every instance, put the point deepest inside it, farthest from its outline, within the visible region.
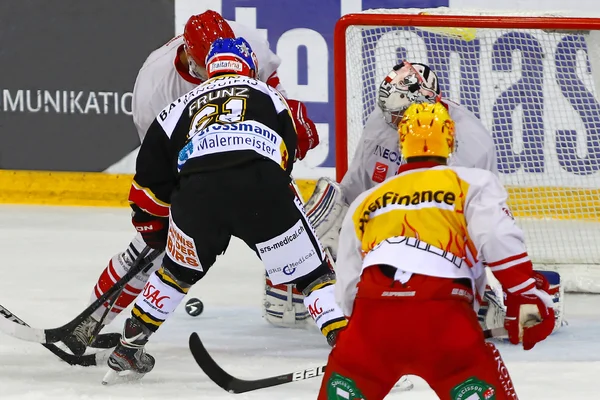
(530, 314)
(308, 138)
(153, 229)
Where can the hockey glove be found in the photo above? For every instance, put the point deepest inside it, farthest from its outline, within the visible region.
(308, 138)
(530, 314)
(153, 229)
(328, 316)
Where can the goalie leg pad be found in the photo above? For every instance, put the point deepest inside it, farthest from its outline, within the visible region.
(557, 291)
(492, 311)
(283, 306)
(326, 210)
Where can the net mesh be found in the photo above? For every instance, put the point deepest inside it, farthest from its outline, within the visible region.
(535, 92)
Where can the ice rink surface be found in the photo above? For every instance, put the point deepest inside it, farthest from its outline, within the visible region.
(52, 256)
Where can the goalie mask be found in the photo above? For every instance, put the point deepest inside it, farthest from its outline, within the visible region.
(406, 84)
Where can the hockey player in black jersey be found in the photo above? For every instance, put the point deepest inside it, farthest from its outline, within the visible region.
(216, 163)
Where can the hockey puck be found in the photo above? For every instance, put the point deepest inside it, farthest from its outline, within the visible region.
(194, 307)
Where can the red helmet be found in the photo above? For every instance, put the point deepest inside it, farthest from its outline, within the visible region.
(201, 30)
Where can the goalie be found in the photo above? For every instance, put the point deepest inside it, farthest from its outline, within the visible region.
(377, 158)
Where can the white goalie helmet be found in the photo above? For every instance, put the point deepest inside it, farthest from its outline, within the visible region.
(407, 84)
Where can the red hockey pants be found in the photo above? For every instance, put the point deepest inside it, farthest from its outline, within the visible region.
(420, 328)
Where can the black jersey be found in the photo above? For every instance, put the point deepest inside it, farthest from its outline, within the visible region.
(226, 121)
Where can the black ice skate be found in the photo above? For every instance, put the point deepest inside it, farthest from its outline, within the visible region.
(129, 360)
(81, 337)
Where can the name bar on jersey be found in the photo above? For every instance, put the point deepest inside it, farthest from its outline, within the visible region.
(221, 138)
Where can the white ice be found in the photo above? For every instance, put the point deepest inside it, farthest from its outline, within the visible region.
(50, 258)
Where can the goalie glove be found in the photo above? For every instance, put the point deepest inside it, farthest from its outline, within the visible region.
(530, 314)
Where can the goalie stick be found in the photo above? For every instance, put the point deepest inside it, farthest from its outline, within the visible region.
(86, 360)
(232, 384)
(54, 335)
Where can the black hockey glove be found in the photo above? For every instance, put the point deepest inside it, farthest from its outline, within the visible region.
(153, 229)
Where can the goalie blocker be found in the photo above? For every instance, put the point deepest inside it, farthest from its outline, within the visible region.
(326, 209)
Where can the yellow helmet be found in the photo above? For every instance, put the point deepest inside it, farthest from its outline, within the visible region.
(426, 130)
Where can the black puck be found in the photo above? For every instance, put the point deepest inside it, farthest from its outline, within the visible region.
(194, 307)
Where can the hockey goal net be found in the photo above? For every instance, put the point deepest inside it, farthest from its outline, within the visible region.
(531, 80)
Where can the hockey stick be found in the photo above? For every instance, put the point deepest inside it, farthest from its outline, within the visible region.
(95, 336)
(56, 334)
(102, 341)
(232, 384)
(84, 361)
(99, 340)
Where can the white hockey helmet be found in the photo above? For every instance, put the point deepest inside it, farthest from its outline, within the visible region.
(407, 84)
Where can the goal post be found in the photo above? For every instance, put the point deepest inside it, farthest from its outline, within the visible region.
(534, 83)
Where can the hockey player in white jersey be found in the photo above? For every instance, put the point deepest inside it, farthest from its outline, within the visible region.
(169, 72)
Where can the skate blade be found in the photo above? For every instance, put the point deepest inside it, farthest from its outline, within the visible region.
(113, 377)
(403, 385)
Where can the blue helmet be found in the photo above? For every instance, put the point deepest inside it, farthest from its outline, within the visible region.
(231, 56)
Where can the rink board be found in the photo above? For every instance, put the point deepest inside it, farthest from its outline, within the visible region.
(78, 188)
(111, 190)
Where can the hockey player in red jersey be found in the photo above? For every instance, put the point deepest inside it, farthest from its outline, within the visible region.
(410, 271)
(168, 73)
(217, 159)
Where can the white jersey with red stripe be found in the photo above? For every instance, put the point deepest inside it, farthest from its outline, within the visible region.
(378, 156)
(163, 78)
(433, 220)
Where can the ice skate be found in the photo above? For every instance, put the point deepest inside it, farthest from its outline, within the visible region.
(129, 361)
(81, 337)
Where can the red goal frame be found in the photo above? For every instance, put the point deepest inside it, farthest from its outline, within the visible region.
(450, 21)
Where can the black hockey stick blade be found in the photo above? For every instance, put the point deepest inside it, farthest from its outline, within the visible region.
(106, 341)
(85, 360)
(235, 385)
(56, 334)
(88, 360)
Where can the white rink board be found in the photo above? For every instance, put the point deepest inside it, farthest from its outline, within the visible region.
(52, 257)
